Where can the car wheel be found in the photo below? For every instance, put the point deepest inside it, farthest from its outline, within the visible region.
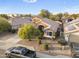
(34, 56)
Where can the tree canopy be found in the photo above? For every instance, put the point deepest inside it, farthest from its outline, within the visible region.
(29, 32)
(4, 16)
(57, 17)
(4, 25)
(44, 13)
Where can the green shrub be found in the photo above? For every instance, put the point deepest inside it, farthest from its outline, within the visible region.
(44, 46)
(4, 25)
(28, 31)
(38, 41)
(62, 42)
(13, 31)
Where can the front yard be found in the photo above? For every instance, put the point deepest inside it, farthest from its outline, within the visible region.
(8, 40)
(54, 47)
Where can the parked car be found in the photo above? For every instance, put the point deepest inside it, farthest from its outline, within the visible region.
(73, 39)
(74, 50)
(20, 52)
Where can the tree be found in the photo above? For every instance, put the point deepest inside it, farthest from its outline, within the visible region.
(40, 27)
(60, 15)
(44, 13)
(44, 46)
(52, 17)
(74, 16)
(4, 25)
(5, 16)
(25, 15)
(38, 41)
(29, 32)
(65, 15)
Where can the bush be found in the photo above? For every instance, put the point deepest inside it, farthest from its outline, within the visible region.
(13, 31)
(4, 25)
(62, 42)
(29, 32)
(38, 41)
(44, 46)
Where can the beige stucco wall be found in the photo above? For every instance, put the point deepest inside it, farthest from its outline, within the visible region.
(74, 37)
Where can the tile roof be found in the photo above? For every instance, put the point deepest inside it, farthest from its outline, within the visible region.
(53, 24)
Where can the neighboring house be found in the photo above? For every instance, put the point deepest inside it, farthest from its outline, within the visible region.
(50, 26)
(71, 28)
(17, 22)
(68, 20)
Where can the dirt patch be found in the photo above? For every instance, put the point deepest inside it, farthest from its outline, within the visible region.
(6, 35)
(30, 43)
(54, 47)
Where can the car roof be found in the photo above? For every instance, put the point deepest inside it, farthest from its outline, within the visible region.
(27, 47)
(19, 49)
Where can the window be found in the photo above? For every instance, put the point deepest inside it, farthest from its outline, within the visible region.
(49, 33)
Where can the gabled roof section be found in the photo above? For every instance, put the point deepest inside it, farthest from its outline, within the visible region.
(74, 21)
(72, 27)
(20, 20)
(53, 24)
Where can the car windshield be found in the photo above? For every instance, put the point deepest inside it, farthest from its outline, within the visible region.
(15, 52)
(24, 51)
(20, 50)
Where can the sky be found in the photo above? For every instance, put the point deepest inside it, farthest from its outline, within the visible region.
(34, 6)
